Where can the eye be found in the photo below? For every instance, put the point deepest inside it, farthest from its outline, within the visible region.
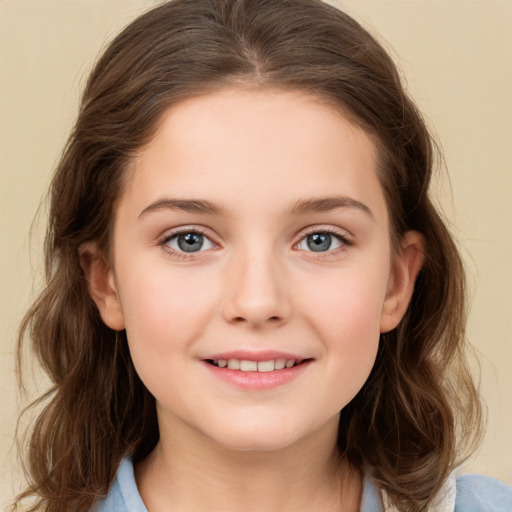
(188, 241)
(322, 241)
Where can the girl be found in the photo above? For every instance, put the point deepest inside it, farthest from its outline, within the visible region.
(251, 302)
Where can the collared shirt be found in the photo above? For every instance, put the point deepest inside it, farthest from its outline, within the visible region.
(468, 493)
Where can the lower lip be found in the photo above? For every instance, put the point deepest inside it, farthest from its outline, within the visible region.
(258, 380)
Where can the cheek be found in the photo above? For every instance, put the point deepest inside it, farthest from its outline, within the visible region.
(347, 300)
(345, 315)
(164, 316)
(164, 311)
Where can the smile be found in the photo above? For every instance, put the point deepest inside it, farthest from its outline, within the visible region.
(246, 365)
(256, 370)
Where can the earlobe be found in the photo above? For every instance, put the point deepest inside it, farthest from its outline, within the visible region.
(101, 285)
(406, 267)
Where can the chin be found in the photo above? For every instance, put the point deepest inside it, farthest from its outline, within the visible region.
(260, 436)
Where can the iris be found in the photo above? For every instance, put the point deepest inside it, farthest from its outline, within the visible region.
(190, 242)
(319, 242)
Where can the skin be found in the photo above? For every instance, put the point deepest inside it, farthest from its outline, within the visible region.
(254, 285)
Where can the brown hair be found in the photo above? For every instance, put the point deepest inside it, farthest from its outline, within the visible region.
(417, 413)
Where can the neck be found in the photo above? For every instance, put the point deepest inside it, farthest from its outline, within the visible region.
(198, 475)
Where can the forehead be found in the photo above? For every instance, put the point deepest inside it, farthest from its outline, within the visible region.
(268, 147)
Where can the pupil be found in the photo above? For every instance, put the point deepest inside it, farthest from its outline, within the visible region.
(190, 242)
(319, 242)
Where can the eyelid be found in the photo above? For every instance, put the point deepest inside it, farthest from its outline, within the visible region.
(175, 232)
(342, 235)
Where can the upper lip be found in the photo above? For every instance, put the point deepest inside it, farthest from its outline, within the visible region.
(258, 356)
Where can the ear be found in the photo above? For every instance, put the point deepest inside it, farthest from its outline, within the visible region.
(101, 285)
(406, 266)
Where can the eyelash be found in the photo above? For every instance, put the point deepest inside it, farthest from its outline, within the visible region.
(182, 231)
(346, 242)
(343, 238)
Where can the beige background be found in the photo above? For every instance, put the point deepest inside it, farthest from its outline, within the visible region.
(457, 57)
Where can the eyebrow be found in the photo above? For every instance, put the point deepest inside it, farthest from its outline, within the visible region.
(324, 204)
(185, 205)
(301, 207)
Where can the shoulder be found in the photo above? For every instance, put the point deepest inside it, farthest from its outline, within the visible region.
(467, 493)
(478, 493)
(123, 495)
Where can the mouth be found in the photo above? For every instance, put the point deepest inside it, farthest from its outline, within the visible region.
(247, 365)
(257, 371)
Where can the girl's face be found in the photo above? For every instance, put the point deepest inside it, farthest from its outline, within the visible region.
(253, 234)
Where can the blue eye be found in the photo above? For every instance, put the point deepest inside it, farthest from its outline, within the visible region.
(321, 242)
(190, 241)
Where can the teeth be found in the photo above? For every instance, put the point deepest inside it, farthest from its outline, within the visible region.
(280, 364)
(266, 366)
(234, 364)
(246, 365)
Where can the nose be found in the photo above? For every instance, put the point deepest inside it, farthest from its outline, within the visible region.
(257, 293)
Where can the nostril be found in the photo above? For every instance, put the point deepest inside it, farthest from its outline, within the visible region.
(272, 319)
